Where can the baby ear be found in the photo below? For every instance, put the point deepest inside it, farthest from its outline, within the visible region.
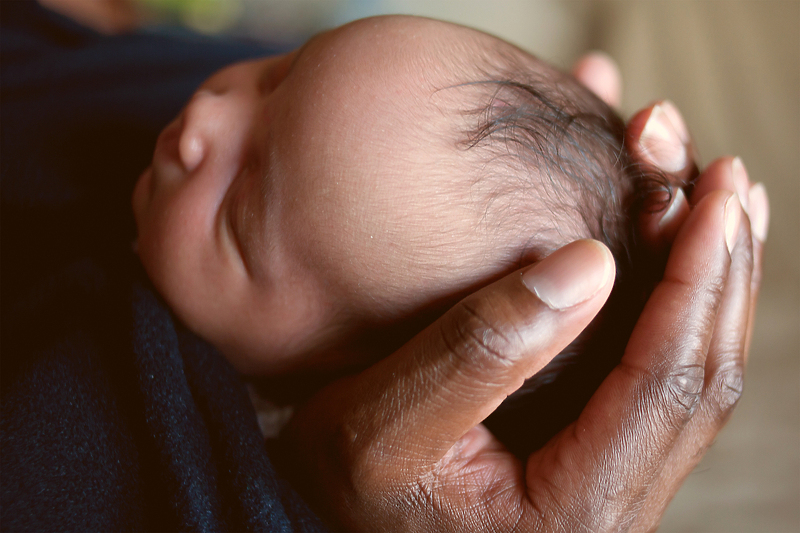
(600, 74)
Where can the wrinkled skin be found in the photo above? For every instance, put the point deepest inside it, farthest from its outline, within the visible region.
(401, 447)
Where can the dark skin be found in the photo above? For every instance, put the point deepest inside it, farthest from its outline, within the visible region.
(400, 447)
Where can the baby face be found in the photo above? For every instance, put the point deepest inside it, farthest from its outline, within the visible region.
(299, 200)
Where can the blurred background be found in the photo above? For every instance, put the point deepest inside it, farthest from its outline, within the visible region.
(733, 68)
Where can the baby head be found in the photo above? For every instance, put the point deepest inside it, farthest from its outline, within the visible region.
(377, 174)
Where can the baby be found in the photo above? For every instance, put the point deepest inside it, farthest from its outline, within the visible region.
(312, 211)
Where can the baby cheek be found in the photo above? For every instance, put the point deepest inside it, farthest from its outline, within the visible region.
(176, 248)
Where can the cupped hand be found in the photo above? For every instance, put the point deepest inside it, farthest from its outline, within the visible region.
(732, 328)
(401, 445)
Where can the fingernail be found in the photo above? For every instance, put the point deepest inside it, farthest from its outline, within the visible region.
(741, 182)
(759, 211)
(570, 275)
(660, 143)
(733, 214)
(676, 119)
(678, 207)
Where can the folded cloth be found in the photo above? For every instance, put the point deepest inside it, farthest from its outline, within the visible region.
(114, 416)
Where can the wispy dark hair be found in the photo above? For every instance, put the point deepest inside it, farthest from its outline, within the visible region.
(569, 148)
(545, 134)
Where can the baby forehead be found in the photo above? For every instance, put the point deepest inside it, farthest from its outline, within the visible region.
(428, 54)
(423, 79)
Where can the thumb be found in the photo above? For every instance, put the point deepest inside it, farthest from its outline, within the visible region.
(415, 404)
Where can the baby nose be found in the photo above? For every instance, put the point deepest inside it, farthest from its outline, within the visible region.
(206, 120)
(191, 150)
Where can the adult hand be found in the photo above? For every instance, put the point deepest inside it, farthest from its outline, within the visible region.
(401, 447)
(669, 145)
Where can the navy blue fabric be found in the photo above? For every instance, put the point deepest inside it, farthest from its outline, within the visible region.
(114, 416)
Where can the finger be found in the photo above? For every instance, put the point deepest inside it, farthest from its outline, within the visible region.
(600, 74)
(759, 224)
(729, 173)
(759, 212)
(658, 140)
(416, 403)
(640, 410)
(724, 173)
(658, 137)
(724, 371)
(724, 378)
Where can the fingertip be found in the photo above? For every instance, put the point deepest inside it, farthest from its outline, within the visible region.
(712, 223)
(572, 275)
(759, 211)
(660, 227)
(718, 175)
(636, 124)
(741, 182)
(601, 75)
(732, 216)
(659, 143)
(676, 120)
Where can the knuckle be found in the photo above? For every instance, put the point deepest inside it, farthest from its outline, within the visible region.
(715, 289)
(674, 391)
(725, 390)
(475, 336)
(684, 386)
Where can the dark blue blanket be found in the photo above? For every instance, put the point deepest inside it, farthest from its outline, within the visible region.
(114, 417)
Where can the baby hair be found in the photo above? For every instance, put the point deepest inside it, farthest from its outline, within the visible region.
(554, 152)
